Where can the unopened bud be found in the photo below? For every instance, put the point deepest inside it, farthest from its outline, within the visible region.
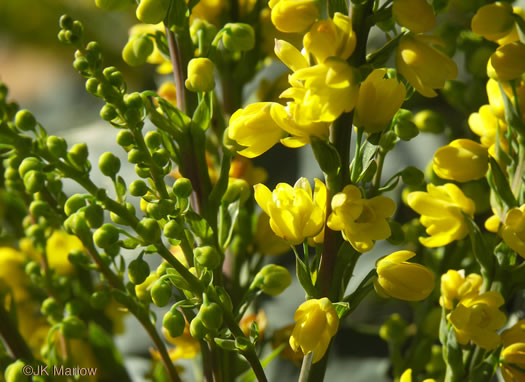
(272, 279)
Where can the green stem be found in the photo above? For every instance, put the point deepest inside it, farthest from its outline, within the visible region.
(11, 337)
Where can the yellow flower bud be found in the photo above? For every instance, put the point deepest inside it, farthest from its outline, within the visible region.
(514, 334)
(478, 318)
(455, 286)
(423, 66)
(293, 16)
(290, 55)
(461, 160)
(379, 99)
(485, 124)
(200, 75)
(295, 213)
(403, 280)
(507, 62)
(152, 11)
(361, 220)
(441, 209)
(512, 363)
(316, 324)
(254, 128)
(416, 15)
(513, 230)
(493, 21)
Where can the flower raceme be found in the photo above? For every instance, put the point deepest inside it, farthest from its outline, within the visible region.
(455, 286)
(361, 220)
(416, 15)
(513, 230)
(316, 324)
(423, 66)
(441, 209)
(461, 160)
(401, 279)
(295, 213)
(293, 16)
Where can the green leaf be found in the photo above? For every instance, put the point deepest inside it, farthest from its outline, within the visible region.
(500, 184)
(120, 188)
(225, 344)
(482, 251)
(304, 277)
(484, 371)
(341, 308)
(254, 332)
(326, 155)
(204, 112)
(454, 356)
(130, 243)
(199, 226)
(177, 280)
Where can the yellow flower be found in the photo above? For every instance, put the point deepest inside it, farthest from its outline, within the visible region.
(485, 124)
(512, 363)
(416, 15)
(403, 280)
(12, 273)
(316, 324)
(514, 334)
(478, 318)
(331, 38)
(200, 75)
(455, 286)
(379, 99)
(168, 91)
(293, 16)
(507, 62)
(407, 377)
(267, 243)
(461, 160)
(186, 346)
(496, 99)
(260, 319)
(208, 10)
(58, 247)
(323, 92)
(494, 22)
(254, 128)
(156, 57)
(290, 55)
(441, 209)
(295, 214)
(423, 66)
(361, 220)
(513, 230)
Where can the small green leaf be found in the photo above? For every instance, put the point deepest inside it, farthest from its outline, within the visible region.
(204, 112)
(225, 344)
(341, 308)
(199, 226)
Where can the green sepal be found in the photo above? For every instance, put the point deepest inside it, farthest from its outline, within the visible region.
(454, 356)
(341, 308)
(304, 277)
(228, 345)
(204, 112)
(498, 182)
(326, 155)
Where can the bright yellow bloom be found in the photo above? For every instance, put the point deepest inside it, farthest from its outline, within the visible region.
(493, 21)
(455, 286)
(361, 220)
(290, 55)
(496, 99)
(200, 75)
(58, 247)
(168, 91)
(293, 16)
(254, 128)
(478, 318)
(295, 213)
(514, 334)
(12, 273)
(331, 38)
(513, 230)
(243, 168)
(485, 124)
(512, 363)
(416, 15)
(492, 223)
(267, 243)
(441, 209)
(461, 160)
(400, 279)
(316, 324)
(379, 99)
(323, 92)
(507, 62)
(407, 377)
(423, 66)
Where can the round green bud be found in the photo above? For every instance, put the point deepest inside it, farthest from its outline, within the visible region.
(153, 139)
(137, 50)
(36, 232)
(15, 372)
(406, 130)
(34, 181)
(161, 157)
(125, 138)
(152, 11)
(142, 171)
(78, 154)
(207, 256)
(109, 164)
(173, 230)
(161, 292)
(106, 236)
(237, 189)
(11, 174)
(133, 116)
(182, 188)
(156, 211)
(28, 164)
(108, 112)
(50, 307)
(412, 176)
(57, 146)
(211, 316)
(77, 29)
(93, 51)
(136, 156)
(25, 120)
(238, 37)
(149, 230)
(32, 269)
(113, 250)
(39, 208)
(134, 100)
(174, 323)
(272, 279)
(65, 22)
(92, 86)
(94, 215)
(206, 30)
(99, 299)
(78, 225)
(113, 5)
(74, 203)
(200, 75)
(429, 121)
(81, 64)
(138, 271)
(138, 188)
(197, 328)
(73, 327)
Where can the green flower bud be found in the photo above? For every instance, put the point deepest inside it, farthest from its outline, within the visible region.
(109, 164)
(28, 164)
(406, 130)
(138, 188)
(207, 256)
(106, 235)
(73, 327)
(94, 215)
(153, 139)
(149, 230)
(113, 5)
(200, 75)
(134, 101)
(142, 171)
(238, 37)
(15, 372)
(272, 279)
(78, 225)
(211, 316)
(39, 208)
(57, 146)
(108, 112)
(32, 269)
(81, 64)
(133, 116)
(197, 328)
(161, 292)
(224, 298)
(182, 188)
(34, 181)
(136, 156)
(50, 307)
(74, 203)
(92, 86)
(161, 157)
(152, 11)
(206, 30)
(36, 232)
(99, 299)
(138, 271)
(78, 155)
(93, 52)
(11, 174)
(412, 176)
(388, 141)
(174, 322)
(173, 230)
(429, 121)
(237, 189)
(394, 329)
(78, 257)
(25, 120)
(120, 220)
(65, 22)
(125, 138)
